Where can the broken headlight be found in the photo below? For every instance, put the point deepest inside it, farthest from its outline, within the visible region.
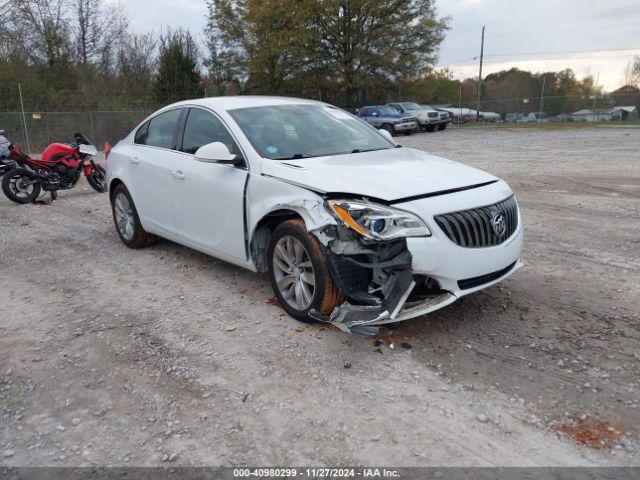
(377, 222)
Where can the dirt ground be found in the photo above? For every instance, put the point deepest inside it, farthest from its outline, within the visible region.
(110, 356)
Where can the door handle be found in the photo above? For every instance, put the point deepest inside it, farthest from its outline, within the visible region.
(177, 174)
(134, 160)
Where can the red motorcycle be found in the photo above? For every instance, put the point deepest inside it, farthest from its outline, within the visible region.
(59, 169)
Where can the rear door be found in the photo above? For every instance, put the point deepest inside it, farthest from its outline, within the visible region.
(150, 181)
(209, 197)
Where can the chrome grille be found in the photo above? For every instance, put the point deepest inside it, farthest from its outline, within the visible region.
(474, 228)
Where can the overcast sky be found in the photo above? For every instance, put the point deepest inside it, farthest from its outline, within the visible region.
(589, 36)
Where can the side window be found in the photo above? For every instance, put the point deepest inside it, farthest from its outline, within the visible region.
(162, 128)
(375, 112)
(203, 127)
(141, 134)
(365, 112)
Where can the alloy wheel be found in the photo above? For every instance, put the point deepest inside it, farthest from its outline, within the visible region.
(21, 186)
(124, 216)
(294, 273)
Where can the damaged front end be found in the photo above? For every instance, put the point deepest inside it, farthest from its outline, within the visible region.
(371, 265)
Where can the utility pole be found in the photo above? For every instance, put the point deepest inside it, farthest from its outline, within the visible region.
(595, 114)
(460, 105)
(480, 75)
(544, 79)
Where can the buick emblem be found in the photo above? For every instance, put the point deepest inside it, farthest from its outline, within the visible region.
(499, 224)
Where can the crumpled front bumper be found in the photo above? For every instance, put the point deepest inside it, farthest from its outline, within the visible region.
(438, 269)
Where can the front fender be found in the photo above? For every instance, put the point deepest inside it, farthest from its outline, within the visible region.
(266, 195)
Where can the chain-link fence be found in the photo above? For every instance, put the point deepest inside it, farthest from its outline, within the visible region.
(621, 108)
(43, 128)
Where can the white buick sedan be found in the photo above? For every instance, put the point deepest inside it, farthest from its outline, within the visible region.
(352, 228)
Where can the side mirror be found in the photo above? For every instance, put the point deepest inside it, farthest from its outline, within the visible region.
(217, 152)
(387, 135)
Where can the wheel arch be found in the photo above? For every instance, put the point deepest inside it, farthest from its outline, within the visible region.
(112, 186)
(261, 234)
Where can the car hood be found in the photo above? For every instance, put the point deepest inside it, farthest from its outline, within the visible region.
(418, 113)
(385, 174)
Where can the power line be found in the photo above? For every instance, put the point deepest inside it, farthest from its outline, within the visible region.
(568, 52)
(515, 54)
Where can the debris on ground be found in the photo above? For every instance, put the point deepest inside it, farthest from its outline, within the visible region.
(593, 433)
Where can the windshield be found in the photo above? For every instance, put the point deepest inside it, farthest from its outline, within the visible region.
(411, 106)
(301, 131)
(388, 110)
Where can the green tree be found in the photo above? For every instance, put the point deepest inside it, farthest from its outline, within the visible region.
(178, 73)
(435, 87)
(343, 48)
(356, 40)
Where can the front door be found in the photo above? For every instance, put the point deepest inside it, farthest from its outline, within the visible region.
(208, 198)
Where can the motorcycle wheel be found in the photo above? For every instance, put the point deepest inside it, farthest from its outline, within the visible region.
(17, 188)
(98, 179)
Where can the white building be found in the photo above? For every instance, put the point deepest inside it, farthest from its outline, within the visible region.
(615, 113)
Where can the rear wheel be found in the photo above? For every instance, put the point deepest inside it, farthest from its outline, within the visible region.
(127, 221)
(19, 187)
(299, 272)
(98, 179)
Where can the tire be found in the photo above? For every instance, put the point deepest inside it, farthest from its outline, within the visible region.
(312, 261)
(98, 179)
(408, 132)
(12, 188)
(389, 128)
(124, 210)
(430, 128)
(442, 126)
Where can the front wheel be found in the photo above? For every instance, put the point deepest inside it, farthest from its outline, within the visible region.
(430, 128)
(389, 128)
(19, 186)
(442, 126)
(299, 272)
(98, 179)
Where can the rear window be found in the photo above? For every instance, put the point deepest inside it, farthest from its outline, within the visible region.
(141, 134)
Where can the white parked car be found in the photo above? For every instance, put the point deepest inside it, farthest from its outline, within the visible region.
(352, 228)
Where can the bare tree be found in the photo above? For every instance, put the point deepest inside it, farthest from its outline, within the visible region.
(45, 29)
(98, 28)
(137, 65)
(632, 72)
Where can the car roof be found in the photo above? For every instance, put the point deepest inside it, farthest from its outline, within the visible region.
(245, 101)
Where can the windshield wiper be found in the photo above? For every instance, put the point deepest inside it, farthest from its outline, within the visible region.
(295, 156)
(363, 150)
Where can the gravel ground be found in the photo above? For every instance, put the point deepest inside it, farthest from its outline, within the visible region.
(110, 356)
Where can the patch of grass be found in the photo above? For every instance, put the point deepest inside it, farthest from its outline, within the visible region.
(620, 122)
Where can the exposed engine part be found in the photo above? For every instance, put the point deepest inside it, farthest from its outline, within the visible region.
(376, 278)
